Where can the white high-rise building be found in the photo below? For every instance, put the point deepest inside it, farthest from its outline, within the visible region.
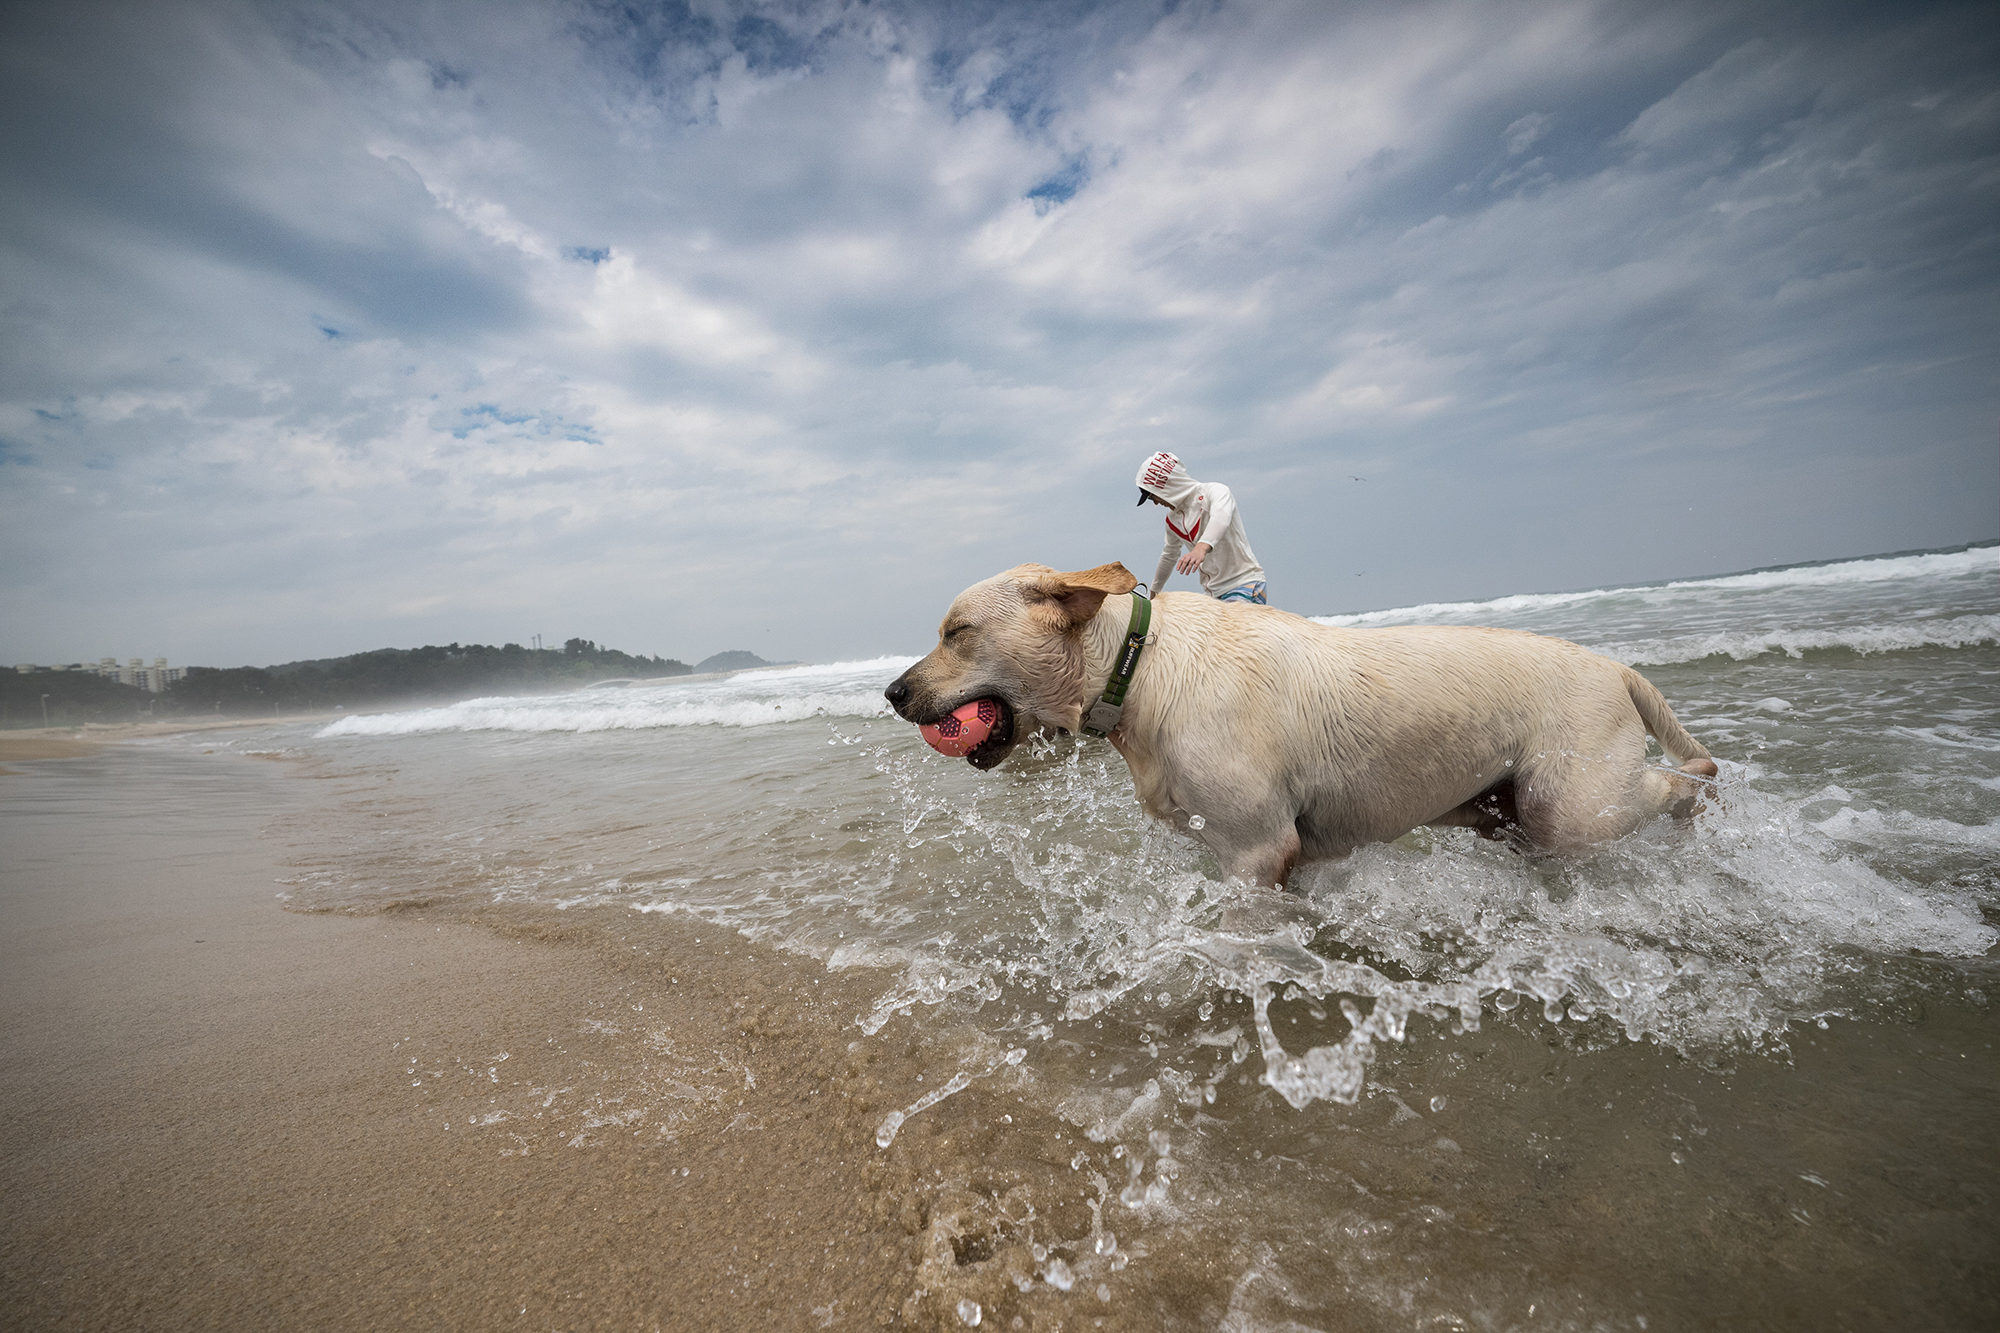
(155, 677)
(135, 672)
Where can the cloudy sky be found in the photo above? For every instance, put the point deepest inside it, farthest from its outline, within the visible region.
(696, 326)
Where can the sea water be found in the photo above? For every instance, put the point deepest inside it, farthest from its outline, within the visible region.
(1745, 1066)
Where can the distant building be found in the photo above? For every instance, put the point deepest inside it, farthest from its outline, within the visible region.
(135, 672)
(155, 677)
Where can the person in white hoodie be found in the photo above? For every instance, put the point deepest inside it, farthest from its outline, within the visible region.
(1204, 533)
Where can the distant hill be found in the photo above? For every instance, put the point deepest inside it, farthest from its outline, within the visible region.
(736, 659)
(453, 671)
(375, 679)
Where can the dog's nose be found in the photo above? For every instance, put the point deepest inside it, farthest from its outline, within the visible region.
(897, 694)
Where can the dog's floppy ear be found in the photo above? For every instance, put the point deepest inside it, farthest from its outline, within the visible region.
(1075, 598)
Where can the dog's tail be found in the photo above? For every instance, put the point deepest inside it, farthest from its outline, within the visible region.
(1689, 753)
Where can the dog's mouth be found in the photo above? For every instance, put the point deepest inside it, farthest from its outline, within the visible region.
(997, 743)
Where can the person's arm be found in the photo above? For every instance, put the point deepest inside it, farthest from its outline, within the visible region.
(1221, 512)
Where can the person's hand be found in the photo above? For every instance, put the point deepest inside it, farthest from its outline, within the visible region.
(1191, 560)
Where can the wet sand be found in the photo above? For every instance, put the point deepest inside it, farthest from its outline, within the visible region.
(42, 747)
(76, 742)
(220, 1113)
(112, 732)
(223, 1114)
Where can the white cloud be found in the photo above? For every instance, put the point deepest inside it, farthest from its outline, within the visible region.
(472, 321)
(1523, 133)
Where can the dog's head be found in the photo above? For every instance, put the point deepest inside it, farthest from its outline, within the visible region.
(1018, 638)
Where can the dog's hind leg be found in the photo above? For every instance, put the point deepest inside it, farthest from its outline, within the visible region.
(1586, 794)
(1679, 793)
(1569, 801)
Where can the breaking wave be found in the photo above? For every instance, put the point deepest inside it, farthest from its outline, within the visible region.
(1878, 569)
(745, 699)
(1958, 632)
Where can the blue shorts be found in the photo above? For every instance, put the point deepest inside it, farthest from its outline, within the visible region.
(1246, 592)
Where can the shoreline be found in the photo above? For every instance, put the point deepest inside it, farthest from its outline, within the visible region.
(29, 744)
(113, 732)
(19, 742)
(229, 1114)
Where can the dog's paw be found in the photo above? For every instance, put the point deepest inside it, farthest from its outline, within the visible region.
(1253, 913)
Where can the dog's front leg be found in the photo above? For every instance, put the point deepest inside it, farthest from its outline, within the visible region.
(1257, 844)
(1265, 864)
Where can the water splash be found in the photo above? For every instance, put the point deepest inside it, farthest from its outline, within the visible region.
(1698, 939)
(885, 1134)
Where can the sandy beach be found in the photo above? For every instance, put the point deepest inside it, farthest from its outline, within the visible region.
(223, 1114)
(90, 737)
(477, 1023)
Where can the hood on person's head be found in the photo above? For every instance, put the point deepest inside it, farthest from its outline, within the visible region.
(1163, 476)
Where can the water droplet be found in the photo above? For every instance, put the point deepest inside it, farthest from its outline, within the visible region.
(1507, 1001)
(1678, 1159)
(886, 1135)
(969, 1313)
(1206, 1010)
(1197, 823)
(1438, 1102)
(1039, 1250)
(1059, 1276)
(1107, 1243)
(1553, 1011)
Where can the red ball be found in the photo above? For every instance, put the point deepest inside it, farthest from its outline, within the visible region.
(965, 730)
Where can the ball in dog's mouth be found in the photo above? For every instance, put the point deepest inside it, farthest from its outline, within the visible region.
(971, 731)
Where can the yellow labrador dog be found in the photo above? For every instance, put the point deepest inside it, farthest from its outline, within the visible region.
(1273, 740)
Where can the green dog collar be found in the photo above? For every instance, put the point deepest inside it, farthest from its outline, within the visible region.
(1104, 714)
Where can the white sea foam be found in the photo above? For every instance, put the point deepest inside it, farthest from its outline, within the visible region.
(1953, 564)
(1959, 632)
(1874, 827)
(1932, 565)
(745, 699)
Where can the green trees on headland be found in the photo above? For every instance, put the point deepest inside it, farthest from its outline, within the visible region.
(387, 675)
(454, 671)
